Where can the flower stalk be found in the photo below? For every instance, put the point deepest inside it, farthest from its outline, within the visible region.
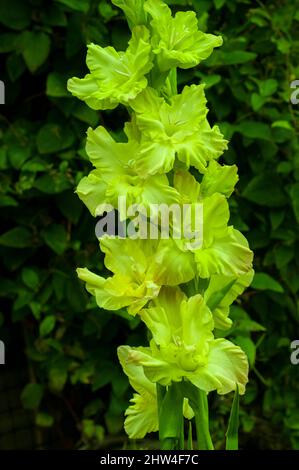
(180, 289)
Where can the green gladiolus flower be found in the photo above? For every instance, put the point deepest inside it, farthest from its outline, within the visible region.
(178, 128)
(224, 250)
(183, 346)
(177, 42)
(134, 281)
(142, 415)
(138, 274)
(115, 77)
(116, 176)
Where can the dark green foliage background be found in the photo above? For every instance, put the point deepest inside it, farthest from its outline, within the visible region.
(77, 390)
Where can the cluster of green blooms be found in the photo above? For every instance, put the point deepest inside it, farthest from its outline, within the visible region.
(180, 292)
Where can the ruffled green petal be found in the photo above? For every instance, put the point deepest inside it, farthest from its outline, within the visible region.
(163, 318)
(142, 414)
(118, 291)
(115, 163)
(229, 256)
(107, 155)
(187, 187)
(92, 192)
(176, 128)
(227, 366)
(185, 322)
(116, 77)
(128, 257)
(176, 266)
(135, 373)
(177, 42)
(133, 283)
(197, 323)
(110, 294)
(156, 191)
(215, 218)
(155, 158)
(204, 145)
(157, 369)
(159, 120)
(236, 287)
(219, 179)
(87, 89)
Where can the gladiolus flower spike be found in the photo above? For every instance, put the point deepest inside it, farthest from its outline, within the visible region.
(169, 157)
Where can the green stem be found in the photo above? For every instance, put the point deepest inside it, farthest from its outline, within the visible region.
(190, 439)
(170, 410)
(160, 395)
(232, 442)
(204, 441)
(173, 81)
(198, 401)
(182, 435)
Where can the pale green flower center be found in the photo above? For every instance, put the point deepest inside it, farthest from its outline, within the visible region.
(184, 356)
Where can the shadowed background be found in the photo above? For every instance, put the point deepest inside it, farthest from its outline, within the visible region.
(62, 386)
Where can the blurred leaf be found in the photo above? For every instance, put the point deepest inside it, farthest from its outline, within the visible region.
(52, 138)
(15, 14)
(283, 125)
(294, 193)
(30, 278)
(79, 5)
(283, 255)
(283, 45)
(230, 58)
(47, 325)
(263, 281)
(58, 374)
(70, 206)
(257, 101)
(106, 10)
(55, 237)
(268, 87)
(53, 15)
(248, 347)
(35, 49)
(44, 420)
(259, 190)
(15, 66)
(7, 41)
(32, 396)
(254, 130)
(34, 165)
(86, 114)
(219, 3)
(18, 154)
(57, 86)
(18, 237)
(51, 184)
(6, 201)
